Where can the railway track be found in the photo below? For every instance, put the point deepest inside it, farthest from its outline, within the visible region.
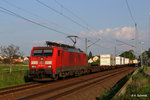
(65, 89)
(56, 89)
(18, 88)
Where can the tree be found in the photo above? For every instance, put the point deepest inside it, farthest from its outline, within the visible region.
(146, 57)
(90, 54)
(10, 52)
(128, 54)
(0, 59)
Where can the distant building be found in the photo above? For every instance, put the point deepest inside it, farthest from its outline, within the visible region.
(90, 60)
(2, 57)
(17, 60)
(26, 58)
(95, 58)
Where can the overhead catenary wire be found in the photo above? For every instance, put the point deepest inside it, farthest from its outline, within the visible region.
(4, 10)
(31, 21)
(99, 45)
(130, 12)
(67, 17)
(71, 12)
(75, 15)
(24, 10)
(63, 15)
(33, 14)
(34, 22)
(136, 35)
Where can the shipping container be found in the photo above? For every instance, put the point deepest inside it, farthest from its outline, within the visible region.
(126, 61)
(123, 60)
(107, 60)
(118, 60)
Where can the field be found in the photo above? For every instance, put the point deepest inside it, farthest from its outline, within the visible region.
(16, 77)
(4, 67)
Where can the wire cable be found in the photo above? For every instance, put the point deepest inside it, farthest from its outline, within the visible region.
(13, 5)
(130, 12)
(71, 12)
(33, 14)
(61, 14)
(31, 21)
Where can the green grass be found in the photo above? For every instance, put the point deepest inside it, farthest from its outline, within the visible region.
(146, 69)
(8, 79)
(14, 67)
(139, 86)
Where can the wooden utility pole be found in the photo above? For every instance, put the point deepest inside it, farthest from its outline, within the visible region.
(86, 46)
(136, 41)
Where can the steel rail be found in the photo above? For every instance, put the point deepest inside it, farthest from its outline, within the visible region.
(82, 86)
(18, 88)
(68, 85)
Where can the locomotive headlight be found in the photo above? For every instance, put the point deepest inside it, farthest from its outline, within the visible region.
(33, 66)
(49, 66)
(34, 62)
(48, 62)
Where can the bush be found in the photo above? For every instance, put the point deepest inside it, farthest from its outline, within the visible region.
(18, 63)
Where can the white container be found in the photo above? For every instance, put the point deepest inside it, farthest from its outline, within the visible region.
(126, 60)
(122, 61)
(107, 60)
(118, 60)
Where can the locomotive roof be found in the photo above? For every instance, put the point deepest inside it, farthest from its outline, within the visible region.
(58, 44)
(64, 46)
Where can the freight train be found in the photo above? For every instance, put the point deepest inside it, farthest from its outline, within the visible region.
(60, 60)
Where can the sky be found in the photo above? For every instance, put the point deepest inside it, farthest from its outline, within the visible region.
(29, 23)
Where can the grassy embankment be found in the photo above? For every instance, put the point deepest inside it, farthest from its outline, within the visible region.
(15, 78)
(139, 89)
(146, 69)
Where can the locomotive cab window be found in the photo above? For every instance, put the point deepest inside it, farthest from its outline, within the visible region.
(47, 52)
(58, 52)
(37, 52)
(42, 52)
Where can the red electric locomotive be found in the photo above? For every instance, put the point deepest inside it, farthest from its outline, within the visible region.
(56, 60)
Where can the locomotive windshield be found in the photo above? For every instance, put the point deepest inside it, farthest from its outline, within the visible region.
(42, 52)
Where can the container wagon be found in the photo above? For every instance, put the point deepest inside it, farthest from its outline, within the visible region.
(126, 61)
(118, 61)
(107, 60)
(123, 61)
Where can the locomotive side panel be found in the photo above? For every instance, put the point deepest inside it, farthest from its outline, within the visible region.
(72, 60)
